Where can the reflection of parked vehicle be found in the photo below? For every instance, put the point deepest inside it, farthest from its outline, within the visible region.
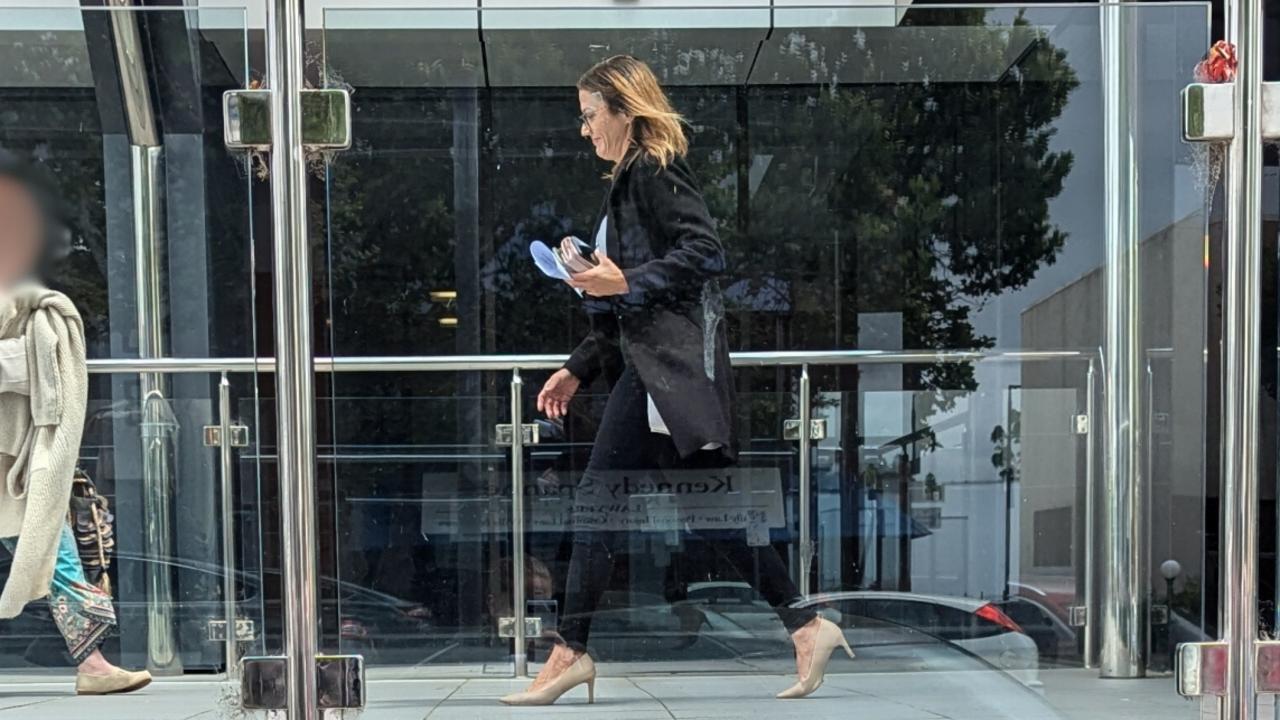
(977, 626)
(1055, 640)
(383, 628)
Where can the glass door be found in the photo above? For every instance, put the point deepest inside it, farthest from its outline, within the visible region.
(910, 203)
(416, 487)
(151, 234)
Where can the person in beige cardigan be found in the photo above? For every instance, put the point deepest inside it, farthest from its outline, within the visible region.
(43, 394)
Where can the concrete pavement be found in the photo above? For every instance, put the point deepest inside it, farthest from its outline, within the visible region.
(1066, 695)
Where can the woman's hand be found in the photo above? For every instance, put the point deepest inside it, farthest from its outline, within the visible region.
(557, 392)
(603, 280)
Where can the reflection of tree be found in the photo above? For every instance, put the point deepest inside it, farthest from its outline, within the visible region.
(381, 230)
(932, 198)
(925, 199)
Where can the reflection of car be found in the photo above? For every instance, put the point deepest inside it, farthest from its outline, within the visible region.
(385, 629)
(1055, 639)
(977, 626)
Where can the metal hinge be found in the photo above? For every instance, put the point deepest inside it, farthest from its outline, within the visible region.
(1206, 111)
(791, 429)
(213, 436)
(504, 434)
(340, 682)
(507, 627)
(246, 630)
(326, 119)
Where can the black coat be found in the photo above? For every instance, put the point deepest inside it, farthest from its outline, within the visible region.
(670, 325)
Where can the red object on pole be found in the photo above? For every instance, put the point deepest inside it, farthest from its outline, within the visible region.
(1219, 65)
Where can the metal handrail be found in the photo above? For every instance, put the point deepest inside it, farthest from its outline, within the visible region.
(508, 363)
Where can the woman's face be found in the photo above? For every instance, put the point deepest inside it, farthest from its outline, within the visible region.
(20, 232)
(608, 131)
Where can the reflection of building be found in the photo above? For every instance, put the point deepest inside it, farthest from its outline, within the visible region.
(1175, 306)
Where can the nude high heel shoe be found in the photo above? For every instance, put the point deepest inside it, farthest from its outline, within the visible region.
(581, 671)
(826, 640)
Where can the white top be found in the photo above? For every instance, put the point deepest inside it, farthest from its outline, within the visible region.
(13, 366)
(656, 423)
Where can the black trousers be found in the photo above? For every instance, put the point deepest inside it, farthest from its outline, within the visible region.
(626, 448)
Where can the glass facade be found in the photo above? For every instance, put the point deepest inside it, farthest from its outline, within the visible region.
(912, 202)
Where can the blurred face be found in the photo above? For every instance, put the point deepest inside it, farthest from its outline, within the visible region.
(609, 132)
(540, 586)
(20, 232)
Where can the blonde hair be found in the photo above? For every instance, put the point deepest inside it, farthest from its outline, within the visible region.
(627, 85)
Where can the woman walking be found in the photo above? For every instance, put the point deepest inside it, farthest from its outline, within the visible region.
(43, 396)
(657, 336)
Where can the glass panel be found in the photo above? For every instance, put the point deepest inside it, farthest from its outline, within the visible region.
(193, 568)
(959, 498)
(151, 237)
(884, 179)
(419, 517)
(677, 601)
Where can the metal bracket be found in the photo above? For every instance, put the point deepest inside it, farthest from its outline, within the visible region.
(213, 436)
(1078, 615)
(504, 434)
(507, 627)
(1268, 664)
(326, 119)
(340, 682)
(246, 630)
(1082, 424)
(1201, 669)
(791, 429)
(1206, 112)
(1159, 614)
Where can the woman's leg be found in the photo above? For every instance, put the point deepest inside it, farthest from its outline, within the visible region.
(623, 449)
(590, 566)
(761, 566)
(83, 612)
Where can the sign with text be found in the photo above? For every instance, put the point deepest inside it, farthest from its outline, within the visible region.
(718, 499)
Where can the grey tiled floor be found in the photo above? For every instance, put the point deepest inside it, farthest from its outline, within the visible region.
(1067, 695)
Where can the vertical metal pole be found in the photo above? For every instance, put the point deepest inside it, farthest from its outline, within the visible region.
(517, 522)
(294, 362)
(157, 416)
(1090, 533)
(1007, 471)
(806, 483)
(1241, 367)
(228, 528)
(1148, 472)
(146, 153)
(1124, 617)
